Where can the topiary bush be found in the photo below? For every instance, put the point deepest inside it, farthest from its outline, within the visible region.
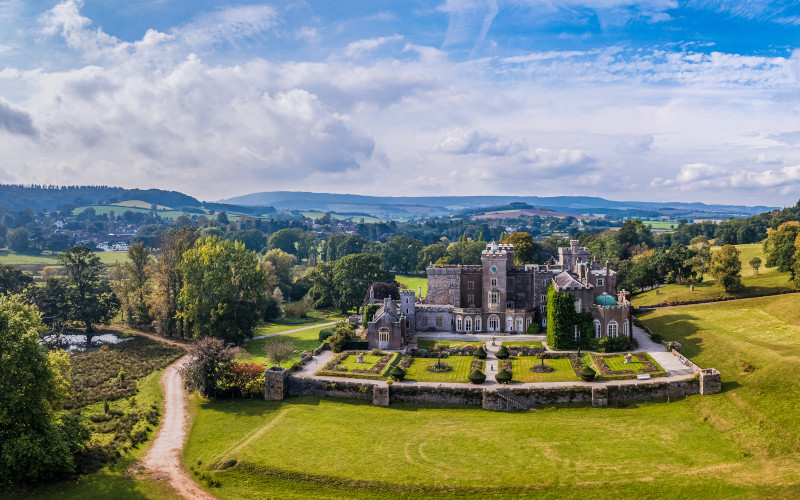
(533, 329)
(587, 374)
(477, 377)
(503, 376)
(326, 332)
(397, 373)
(503, 353)
(480, 353)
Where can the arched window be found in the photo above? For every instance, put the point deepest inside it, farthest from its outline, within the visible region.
(528, 323)
(612, 329)
(626, 328)
(458, 323)
(597, 328)
(519, 324)
(578, 304)
(477, 323)
(509, 324)
(494, 323)
(468, 324)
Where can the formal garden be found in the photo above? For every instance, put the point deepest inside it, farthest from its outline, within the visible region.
(372, 365)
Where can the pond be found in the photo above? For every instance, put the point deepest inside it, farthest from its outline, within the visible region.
(77, 343)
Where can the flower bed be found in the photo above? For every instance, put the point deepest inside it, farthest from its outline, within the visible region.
(613, 367)
(532, 348)
(461, 367)
(439, 367)
(345, 364)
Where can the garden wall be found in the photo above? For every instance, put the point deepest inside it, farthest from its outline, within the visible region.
(470, 396)
(299, 386)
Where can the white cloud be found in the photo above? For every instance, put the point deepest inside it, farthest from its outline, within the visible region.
(358, 48)
(461, 142)
(16, 121)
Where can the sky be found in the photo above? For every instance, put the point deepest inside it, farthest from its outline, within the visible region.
(648, 100)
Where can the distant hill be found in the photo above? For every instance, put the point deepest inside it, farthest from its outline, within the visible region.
(412, 207)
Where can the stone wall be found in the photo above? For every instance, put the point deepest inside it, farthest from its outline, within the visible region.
(444, 286)
(468, 396)
(300, 386)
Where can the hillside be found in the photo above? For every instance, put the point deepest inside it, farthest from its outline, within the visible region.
(409, 206)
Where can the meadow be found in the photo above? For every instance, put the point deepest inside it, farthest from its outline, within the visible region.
(413, 282)
(304, 340)
(768, 281)
(741, 443)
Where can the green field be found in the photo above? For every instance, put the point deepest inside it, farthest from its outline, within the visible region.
(311, 214)
(661, 224)
(521, 369)
(412, 282)
(461, 368)
(48, 258)
(768, 282)
(529, 343)
(741, 443)
(305, 340)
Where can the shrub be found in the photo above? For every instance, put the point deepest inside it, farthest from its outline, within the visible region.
(480, 353)
(325, 333)
(503, 376)
(337, 341)
(587, 374)
(503, 353)
(612, 344)
(477, 377)
(533, 329)
(656, 338)
(297, 310)
(376, 352)
(278, 350)
(397, 373)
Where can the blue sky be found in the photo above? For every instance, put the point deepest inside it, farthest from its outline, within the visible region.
(626, 99)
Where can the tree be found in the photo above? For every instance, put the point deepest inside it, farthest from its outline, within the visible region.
(780, 249)
(209, 363)
(90, 298)
(294, 241)
(282, 267)
(224, 290)
(399, 253)
(278, 350)
(167, 280)
(352, 275)
(726, 268)
(51, 301)
(322, 289)
(633, 234)
(13, 280)
(755, 263)
(38, 440)
(136, 271)
(465, 251)
(18, 241)
(525, 248)
(430, 254)
(702, 256)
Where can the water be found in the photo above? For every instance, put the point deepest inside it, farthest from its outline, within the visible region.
(77, 343)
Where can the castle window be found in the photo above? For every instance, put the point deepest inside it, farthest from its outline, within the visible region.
(509, 304)
(519, 324)
(438, 321)
(458, 323)
(383, 336)
(470, 285)
(613, 329)
(578, 304)
(424, 321)
(597, 328)
(543, 308)
(477, 323)
(543, 298)
(494, 281)
(471, 298)
(528, 323)
(600, 282)
(625, 328)
(494, 298)
(510, 324)
(468, 324)
(494, 323)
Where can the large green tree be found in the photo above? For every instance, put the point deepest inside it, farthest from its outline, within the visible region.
(136, 272)
(13, 280)
(18, 240)
(38, 440)
(430, 255)
(89, 296)
(167, 279)
(344, 283)
(780, 249)
(726, 268)
(281, 267)
(399, 253)
(525, 249)
(224, 290)
(295, 241)
(634, 236)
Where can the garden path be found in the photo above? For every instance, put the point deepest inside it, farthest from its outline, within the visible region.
(318, 325)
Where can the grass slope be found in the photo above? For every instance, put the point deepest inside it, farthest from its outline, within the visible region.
(304, 340)
(412, 282)
(768, 282)
(741, 443)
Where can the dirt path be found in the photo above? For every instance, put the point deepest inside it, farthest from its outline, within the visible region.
(163, 460)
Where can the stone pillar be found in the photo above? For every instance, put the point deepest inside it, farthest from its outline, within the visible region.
(600, 397)
(490, 401)
(710, 381)
(380, 395)
(276, 383)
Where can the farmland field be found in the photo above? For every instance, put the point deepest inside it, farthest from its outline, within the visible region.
(741, 443)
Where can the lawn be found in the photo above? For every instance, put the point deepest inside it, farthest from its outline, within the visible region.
(521, 369)
(741, 443)
(350, 363)
(617, 364)
(530, 343)
(304, 340)
(768, 282)
(430, 344)
(412, 282)
(461, 368)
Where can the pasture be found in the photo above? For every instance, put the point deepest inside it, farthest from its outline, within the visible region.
(412, 282)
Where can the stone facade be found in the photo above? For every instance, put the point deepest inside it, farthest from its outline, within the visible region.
(275, 383)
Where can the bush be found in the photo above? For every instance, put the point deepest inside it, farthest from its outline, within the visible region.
(477, 377)
(325, 333)
(587, 374)
(297, 310)
(533, 329)
(503, 376)
(397, 373)
(612, 344)
(337, 341)
(480, 353)
(656, 338)
(278, 350)
(502, 353)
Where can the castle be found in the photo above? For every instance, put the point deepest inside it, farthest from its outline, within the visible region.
(497, 296)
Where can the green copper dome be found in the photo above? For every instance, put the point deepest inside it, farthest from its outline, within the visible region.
(605, 300)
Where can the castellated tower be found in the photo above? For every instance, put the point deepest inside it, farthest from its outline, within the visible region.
(408, 309)
(497, 261)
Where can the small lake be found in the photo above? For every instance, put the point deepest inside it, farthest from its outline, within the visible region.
(74, 343)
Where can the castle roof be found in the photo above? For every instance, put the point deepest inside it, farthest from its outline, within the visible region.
(605, 300)
(566, 281)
